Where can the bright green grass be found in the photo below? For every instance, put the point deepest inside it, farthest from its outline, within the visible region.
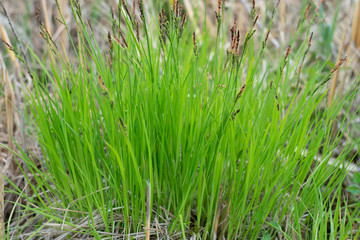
(164, 122)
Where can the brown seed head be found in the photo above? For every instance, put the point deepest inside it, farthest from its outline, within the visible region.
(42, 35)
(307, 10)
(123, 43)
(195, 45)
(310, 38)
(119, 42)
(233, 29)
(179, 11)
(123, 38)
(287, 52)
(237, 41)
(277, 102)
(235, 113)
(121, 125)
(240, 92)
(338, 65)
(37, 14)
(110, 41)
(126, 9)
(175, 5)
(8, 45)
(137, 30)
(256, 19)
(183, 20)
(218, 14)
(219, 6)
(163, 14)
(160, 19)
(141, 8)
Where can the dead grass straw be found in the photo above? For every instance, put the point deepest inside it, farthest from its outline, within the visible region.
(46, 16)
(355, 31)
(2, 229)
(14, 60)
(336, 73)
(9, 102)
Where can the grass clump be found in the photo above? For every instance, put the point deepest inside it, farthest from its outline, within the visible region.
(165, 134)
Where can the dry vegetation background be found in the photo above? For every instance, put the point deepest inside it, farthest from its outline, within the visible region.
(23, 17)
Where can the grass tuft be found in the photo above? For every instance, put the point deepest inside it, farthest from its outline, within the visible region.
(163, 135)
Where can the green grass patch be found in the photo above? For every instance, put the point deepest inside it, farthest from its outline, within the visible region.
(199, 138)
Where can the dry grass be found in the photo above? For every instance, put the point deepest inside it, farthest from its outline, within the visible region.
(2, 220)
(355, 33)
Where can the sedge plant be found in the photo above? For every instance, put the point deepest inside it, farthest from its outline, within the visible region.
(162, 135)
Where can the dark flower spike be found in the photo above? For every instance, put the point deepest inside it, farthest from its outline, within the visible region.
(307, 10)
(266, 38)
(237, 42)
(309, 41)
(123, 38)
(137, 30)
(126, 9)
(119, 42)
(78, 8)
(218, 14)
(141, 8)
(163, 15)
(255, 20)
(288, 52)
(219, 6)
(110, 42)
(195, 45)
(267, 35)
(240, 92)
(235, 113)
(123, 43)
(179, 11)
(277, 101)
(328, 77)
(175, 5)
(37, 14)
(233, 29)
(163, 23)
(11, 48)
(183, 20)
(338, 65)
(181, 27)
(175, 23)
